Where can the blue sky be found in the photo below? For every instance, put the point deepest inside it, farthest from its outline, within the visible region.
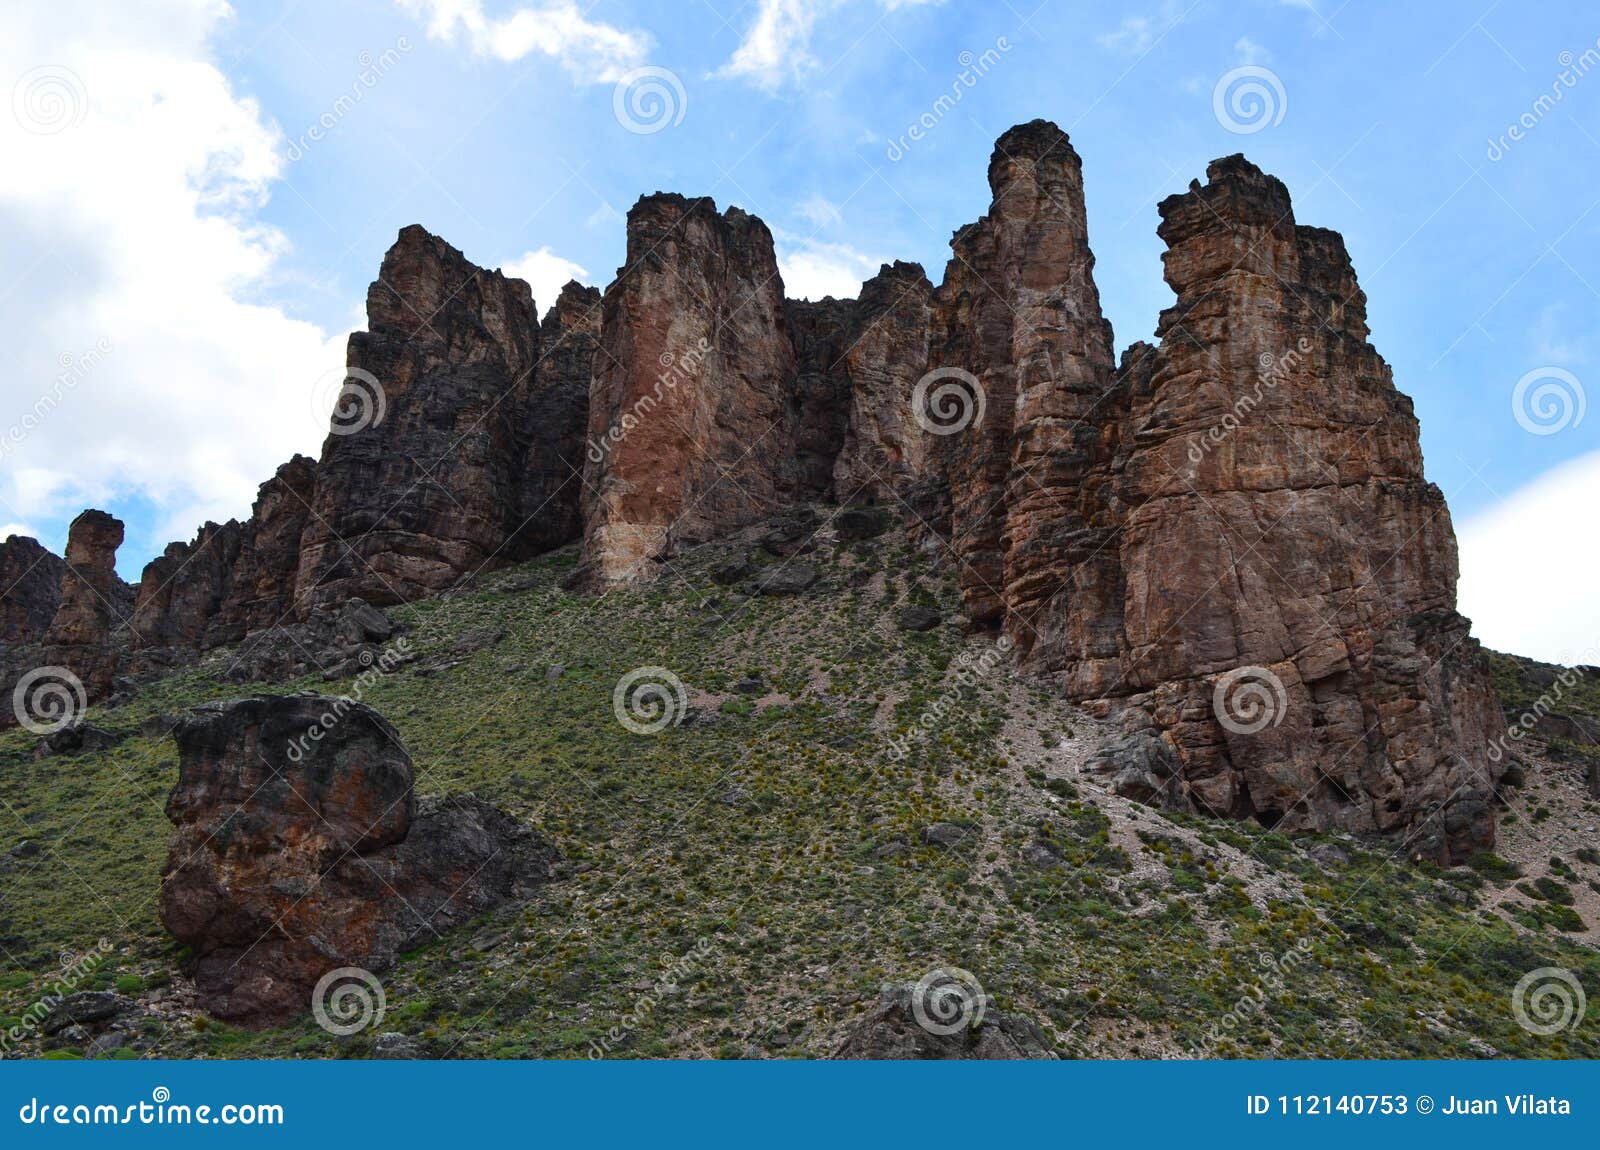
(179, 211)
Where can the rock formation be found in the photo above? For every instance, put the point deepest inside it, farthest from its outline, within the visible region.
(30, 590)
(1241, 505)
(913, 1023)
(690, 403)
(420, 481)
(300, 847)
(93, 604)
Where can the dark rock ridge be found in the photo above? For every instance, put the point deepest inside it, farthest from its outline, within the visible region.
(30, 578)
(1239, 504)
(300, 848)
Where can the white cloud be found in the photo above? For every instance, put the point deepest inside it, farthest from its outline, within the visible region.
(812, 270)
(777, 47)
(590, 50)
(1250, 52)
(1528, 564)
(819, 211)
(135, 264)
(1134, 35)
(7, 530)
(547, 273)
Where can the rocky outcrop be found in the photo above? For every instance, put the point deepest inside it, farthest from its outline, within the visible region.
(261, 587)
(557, 420)
(1019, 311)
(1286, 574)
(923, 1023)
(690, 404)
(182, 591)
(420, 480)
(884, 452)
(93, 605)
(30, 590)
(300, 848)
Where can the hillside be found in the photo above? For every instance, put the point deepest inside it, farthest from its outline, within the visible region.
(743, 883)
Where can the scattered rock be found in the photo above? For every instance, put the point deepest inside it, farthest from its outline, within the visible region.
(390, 1045)
(85, 1008)
(919, 618)
(949, 835)
(75, 738)
(733, 570)
(751, 686)
(892, 1029)
(1041, 855)
(789, 579)
(294, 855)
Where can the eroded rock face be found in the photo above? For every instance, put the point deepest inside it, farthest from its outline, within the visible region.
(30, 579)
(261, 588)
(557, 420)
(1270, 513)
(689, 409)
(1019, 310)
(94, 603)
(182, 591)
(297, 853)
(408, 503)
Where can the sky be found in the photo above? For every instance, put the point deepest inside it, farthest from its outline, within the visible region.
(194, 197)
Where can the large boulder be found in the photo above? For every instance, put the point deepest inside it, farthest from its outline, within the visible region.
(300, 847)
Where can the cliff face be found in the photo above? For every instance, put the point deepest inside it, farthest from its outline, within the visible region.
(1233, 518)
(1019, 310)
(1277, 519)
(94, 603)
(689, 407)
(420, 481)
(30, 577)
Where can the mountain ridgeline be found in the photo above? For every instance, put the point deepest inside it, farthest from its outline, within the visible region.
(1224, 540)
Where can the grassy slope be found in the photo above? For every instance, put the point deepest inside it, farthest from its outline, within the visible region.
(778, 840)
